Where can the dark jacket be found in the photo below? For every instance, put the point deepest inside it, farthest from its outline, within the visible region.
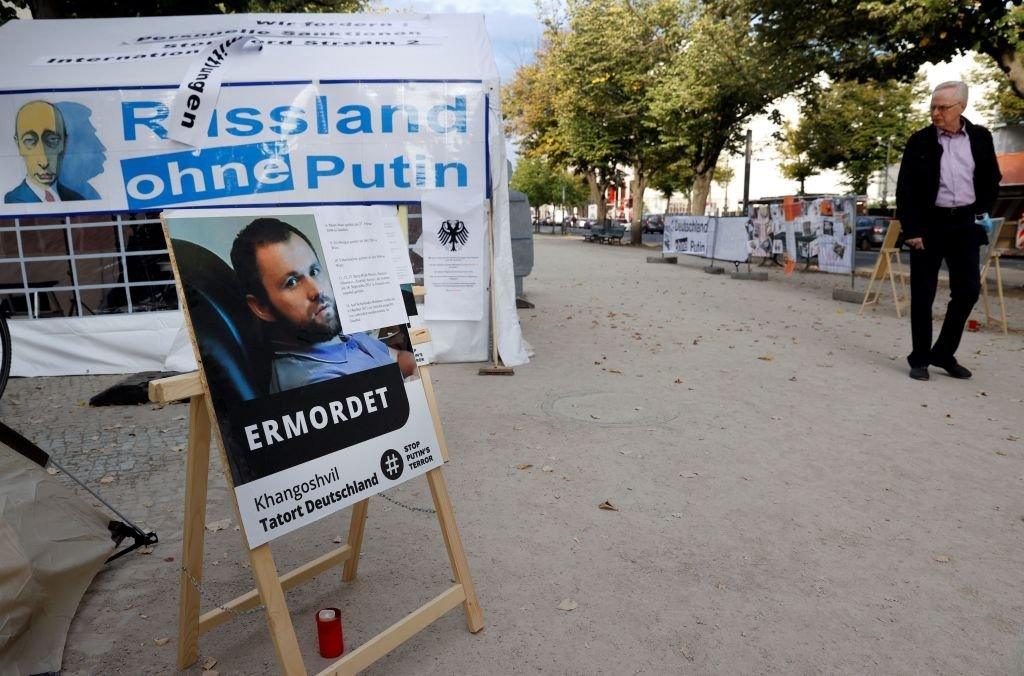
(918, 184)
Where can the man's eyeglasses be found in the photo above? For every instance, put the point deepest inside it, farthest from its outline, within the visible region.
(943, 109)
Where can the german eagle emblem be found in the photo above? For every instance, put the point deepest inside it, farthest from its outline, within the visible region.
(453, 233)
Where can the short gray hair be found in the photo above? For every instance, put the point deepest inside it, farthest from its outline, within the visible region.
(960, 87)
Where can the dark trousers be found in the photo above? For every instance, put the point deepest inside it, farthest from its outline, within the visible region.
(955, 240)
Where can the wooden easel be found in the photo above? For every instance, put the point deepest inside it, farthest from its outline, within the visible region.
(887, 265)
(1004, 241)
(270, 585)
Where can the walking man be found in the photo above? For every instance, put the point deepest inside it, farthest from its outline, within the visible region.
(948, 178)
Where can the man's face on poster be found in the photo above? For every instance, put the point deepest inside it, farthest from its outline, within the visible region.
(297, 296)
(40, 135)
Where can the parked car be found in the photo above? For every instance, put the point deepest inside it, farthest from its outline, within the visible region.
(871, 232)
(653, 223)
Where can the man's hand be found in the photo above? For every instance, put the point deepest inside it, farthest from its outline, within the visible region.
(915, 243)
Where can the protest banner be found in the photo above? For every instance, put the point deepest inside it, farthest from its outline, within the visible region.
(247, 110)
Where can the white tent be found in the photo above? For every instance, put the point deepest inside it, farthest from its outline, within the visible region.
(300, 109)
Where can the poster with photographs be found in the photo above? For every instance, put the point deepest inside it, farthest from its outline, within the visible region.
(301, 333)
(837, 219)
(760, 231)
(819, 229)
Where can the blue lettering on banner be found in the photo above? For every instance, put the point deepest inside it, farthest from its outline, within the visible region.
(207, 174)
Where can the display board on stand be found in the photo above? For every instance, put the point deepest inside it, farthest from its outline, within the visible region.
(312, 392)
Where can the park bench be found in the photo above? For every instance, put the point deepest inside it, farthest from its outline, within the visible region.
(594, 233)
(613, 232)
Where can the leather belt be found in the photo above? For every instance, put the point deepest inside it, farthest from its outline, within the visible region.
(953, 212)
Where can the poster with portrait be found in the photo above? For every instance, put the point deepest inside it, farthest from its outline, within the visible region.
(301, 333)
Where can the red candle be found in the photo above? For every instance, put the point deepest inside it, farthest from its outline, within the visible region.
(329, 634)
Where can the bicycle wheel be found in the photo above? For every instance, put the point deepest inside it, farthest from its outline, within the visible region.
(5, 351)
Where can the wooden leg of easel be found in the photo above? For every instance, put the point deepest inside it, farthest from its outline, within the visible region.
(902, 283)
(984, 292)
(895, 294)
(456, 553)
(197, 467)
(999, 294)
(355, 539)
(903, 279)
(282, 633)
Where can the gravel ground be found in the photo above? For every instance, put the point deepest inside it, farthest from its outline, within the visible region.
(787, 499)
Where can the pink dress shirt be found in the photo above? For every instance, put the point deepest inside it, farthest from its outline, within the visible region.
(956, 169)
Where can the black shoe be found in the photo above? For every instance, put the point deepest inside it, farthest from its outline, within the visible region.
(954, 370)
(919, 373)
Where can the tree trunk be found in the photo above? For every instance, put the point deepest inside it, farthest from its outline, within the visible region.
(701, 188)
(802, 190)
(637, 186)
(597, 195)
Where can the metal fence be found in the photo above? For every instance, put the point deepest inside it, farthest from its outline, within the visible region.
(74, 266)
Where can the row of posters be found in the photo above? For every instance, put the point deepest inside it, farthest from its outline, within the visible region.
(821, 228)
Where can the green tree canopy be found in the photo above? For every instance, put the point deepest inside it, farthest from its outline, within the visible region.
(849, 125)
(544, 184)
(793, 146)
(880, 39)
(1000, 102)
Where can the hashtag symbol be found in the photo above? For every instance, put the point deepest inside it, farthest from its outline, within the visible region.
(391, 464)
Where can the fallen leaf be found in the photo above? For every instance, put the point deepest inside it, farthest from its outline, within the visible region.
(51, 470)
(107, 480)
(145, 550)
(679, 381)
(685, 650)
(615, 371)
(337, 539)
(524, 465)
(168, 559)
(595, 417)
(547, 468)
(147, 503)
(215, 526)
(941, 558)
(567, 605)
(766, 357)
(209, 663)
(161, 641)
(1002, 453)
(608, 505)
